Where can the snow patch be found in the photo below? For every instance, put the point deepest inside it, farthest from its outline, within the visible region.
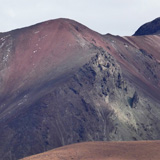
(5, 58)
(24, 99)
(36, 32)
(2, 45)
(34, 51)
(43, 37)
(4, 38)
(126, 45)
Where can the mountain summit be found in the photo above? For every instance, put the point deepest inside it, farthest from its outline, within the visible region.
(149, 28)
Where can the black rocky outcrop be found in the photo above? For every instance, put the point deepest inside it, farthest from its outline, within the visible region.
(149, 28)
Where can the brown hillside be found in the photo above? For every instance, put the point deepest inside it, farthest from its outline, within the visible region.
(142, 150)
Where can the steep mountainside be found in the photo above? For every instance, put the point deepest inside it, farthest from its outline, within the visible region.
(62, 83)
(149, 28)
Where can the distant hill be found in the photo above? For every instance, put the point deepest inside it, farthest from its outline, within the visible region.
(149, 28)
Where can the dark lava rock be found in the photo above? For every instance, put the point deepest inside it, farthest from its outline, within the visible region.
(135, 100)
(149, 28)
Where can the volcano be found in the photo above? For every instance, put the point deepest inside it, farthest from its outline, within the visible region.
(62, 83)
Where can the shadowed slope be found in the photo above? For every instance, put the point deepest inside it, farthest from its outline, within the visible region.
(104, 151)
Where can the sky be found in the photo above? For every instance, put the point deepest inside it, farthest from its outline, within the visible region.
(118, 17)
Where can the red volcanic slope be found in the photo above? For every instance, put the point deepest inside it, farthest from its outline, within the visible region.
(134, 53)
(33, 55)
(30, 45)
(37, 72)
(142, 150)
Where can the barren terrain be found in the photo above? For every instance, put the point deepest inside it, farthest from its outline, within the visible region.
(62, 83)
(141, 150)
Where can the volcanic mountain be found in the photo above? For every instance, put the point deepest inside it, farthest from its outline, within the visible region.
(62, 83)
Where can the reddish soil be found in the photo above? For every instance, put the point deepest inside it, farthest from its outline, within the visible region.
(128, 52)
(142, 150)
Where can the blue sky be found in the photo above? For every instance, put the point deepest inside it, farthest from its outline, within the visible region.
(118, 17)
